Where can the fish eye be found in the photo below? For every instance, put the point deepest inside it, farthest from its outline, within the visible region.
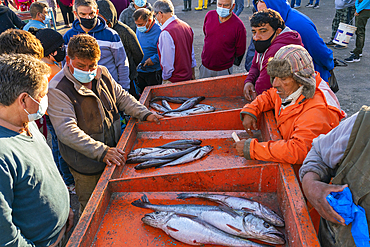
(157, 212)
(266, 225)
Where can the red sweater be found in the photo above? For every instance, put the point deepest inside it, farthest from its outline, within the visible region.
(223, 42)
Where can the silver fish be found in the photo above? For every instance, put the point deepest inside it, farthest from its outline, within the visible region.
(152, 163)
(225, 219)
(159, 154)
(166, 105)
(239, 203)
(187, 104)
(175, 114)
(178, 100)
(200, 109)
(142, 151)
(179, 146)
(192, 231)
(181, 142)
(195, 155)
(157, 107)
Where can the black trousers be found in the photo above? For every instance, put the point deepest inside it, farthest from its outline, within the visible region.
(149, 79)
(67, 13)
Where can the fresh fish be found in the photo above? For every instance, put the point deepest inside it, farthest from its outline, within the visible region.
(152, 163)
(166, 105)
(181, 142)
(200, 109)
(159, 154)
(192, 231)
(180, 146)
(225, 219)
(175, 114)
(171, 154)
(187, 104)
(157, 107)
(239, 203)
(178, 100)
(142, 151)
(195, 155)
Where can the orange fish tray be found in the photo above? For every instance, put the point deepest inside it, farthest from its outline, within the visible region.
(109, 218)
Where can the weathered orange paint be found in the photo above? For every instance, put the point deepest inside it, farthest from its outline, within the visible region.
(109, 218)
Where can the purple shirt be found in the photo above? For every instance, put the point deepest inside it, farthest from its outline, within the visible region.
(166, 47)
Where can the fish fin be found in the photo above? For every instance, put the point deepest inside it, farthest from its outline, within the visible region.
(138, 203)
(248, 210)
(228, 210)
(234, 228)
(172, 229)
(145, 199)
(184, 195)
(187, 215)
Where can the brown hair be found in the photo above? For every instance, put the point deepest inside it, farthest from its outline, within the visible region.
(83, 46)
(20, 41)
(37, 7)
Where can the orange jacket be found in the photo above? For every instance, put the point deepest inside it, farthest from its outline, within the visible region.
(298, 124)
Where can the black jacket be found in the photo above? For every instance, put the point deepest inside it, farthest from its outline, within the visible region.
(8, 19)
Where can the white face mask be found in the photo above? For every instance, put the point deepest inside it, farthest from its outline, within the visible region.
(43, 105)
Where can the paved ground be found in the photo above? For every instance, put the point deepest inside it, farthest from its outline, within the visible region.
(353, 80)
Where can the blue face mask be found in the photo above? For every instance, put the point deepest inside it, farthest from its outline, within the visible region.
(47, 19)
(140, 3)
(222, 12)
(83, 76)
(142, 29)
(43, 105)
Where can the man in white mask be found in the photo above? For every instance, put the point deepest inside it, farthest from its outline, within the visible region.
(225, 39)
(126, 15)
(84, 105)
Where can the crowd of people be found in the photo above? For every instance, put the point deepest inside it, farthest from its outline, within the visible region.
(88, 82)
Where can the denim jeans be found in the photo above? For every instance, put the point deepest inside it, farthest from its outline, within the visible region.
(239, 6)
(61, 164)
(294, 2)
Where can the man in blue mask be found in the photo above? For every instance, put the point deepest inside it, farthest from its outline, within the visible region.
(126, 15)
(40, 16)
(84, 105)
(113, 54)
(225, 39)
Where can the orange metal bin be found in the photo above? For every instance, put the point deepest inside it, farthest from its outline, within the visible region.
(110, 220)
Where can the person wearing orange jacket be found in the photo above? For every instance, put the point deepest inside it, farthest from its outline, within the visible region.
(304, 105)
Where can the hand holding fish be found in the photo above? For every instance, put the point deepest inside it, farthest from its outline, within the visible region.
(239, 146)
(154, 118)
(316, 193)
(114, 156)
(249, 124)
(249, 91)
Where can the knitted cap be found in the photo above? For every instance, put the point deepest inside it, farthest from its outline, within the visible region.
(295, 61)
(50, 40)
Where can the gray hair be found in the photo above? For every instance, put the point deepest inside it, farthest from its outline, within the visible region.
(232, 2)
(164, 6)
(21, 73)
(86, 3)
(142, 13)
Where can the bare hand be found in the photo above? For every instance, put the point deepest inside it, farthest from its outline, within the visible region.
(114, 156)
(154, 118)
(70, 220)
(249, 91)
(240, 147)
(249, 124)
(357, 14)
(316, 193)
(148, 62)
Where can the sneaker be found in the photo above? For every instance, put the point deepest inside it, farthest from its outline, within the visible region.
(296, 6)
(340, 47)
(353, 59)
(330, 43)
(309, 5)
(316, 6)
(71, 189)
(351, 52)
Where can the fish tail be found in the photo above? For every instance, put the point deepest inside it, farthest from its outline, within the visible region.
(143, 203)
(185, 195)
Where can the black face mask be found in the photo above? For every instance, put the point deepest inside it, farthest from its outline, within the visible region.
(89, 23)
(61, 54)
(262, 45)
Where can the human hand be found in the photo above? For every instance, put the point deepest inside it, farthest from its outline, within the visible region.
(154, 118)
(148, 62)
(249, 91)
(114, 156)
(316, 193)
(249, 124)
(70, 220)
(239, 146)
(357, 14)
